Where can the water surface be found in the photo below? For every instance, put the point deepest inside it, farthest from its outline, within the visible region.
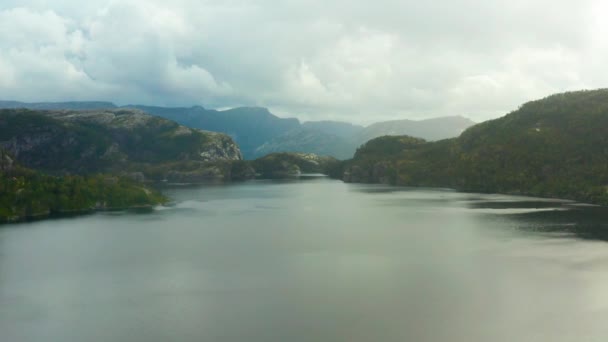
(313, 260)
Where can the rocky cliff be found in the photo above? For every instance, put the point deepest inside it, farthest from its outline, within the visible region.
(114, 140)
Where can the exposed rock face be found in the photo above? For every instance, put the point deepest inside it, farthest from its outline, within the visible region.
(112, 140)
(220, 147)
(6, 162)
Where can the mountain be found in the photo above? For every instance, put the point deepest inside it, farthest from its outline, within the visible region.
(250, 127)
(341, 140)
(258, 131)
(308, 141)
(117, 141)
(72, 162)
(553, 147)
(429, 129)
(337, 128)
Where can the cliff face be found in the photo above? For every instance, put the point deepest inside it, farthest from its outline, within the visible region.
(116, 140)
(219, 147)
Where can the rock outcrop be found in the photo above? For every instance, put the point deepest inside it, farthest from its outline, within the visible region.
(115, 141)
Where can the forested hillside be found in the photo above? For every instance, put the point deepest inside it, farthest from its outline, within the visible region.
(28, 194)
(554, 147)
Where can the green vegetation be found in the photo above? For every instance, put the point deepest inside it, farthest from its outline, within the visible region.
(26, 194)
(109, 141)
(285, 165)
(554, 147)
(75, 162)
(305, 140)
(62, 162)
(259, 132)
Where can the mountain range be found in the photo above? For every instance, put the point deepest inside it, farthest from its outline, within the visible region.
(73, 160)
(258, 132)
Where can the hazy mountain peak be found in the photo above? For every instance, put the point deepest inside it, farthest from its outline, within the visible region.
(428, 129)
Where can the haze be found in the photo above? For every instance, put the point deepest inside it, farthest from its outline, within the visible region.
(357, 61)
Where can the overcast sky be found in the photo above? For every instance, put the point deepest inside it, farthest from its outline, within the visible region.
(360, 61)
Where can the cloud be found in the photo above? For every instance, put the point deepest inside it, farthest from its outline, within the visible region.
(352, 60)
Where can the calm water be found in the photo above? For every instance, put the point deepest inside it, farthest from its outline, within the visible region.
(314, 260)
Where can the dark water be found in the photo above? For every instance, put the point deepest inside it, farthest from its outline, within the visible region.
(313, 260)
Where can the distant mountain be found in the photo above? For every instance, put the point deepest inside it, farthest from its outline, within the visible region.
(429, 129)
(288, 165)
(341, 140)
(553, 147)
(337, 128)
(258, 131)
(305, 140)
(250, 127)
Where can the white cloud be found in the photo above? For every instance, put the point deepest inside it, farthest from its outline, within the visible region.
(350, 60)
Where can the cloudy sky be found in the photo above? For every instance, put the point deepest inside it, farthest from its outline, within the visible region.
(360, 61)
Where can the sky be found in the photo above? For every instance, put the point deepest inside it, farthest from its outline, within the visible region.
(358, 61)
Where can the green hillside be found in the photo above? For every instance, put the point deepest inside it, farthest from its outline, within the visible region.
(554, 147)
(289, 164)
(112, 141)
(27, 194)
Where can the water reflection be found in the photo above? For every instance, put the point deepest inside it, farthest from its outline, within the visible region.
(583, 222)
(314, 260)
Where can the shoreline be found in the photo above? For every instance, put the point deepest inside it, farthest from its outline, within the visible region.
(49, 215)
